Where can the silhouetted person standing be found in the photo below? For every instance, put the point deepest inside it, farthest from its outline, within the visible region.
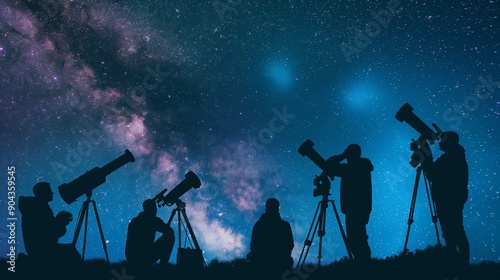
(449, 177)
(41, 230)
(141, 249)
(272, 243)
(355, 197)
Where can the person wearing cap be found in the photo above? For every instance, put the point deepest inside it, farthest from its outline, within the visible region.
(141, 248)
(355, 197)
(271, 243)
(449, 177)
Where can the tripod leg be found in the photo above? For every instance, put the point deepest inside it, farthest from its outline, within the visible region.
(171, 216)
(412, 208)
(191, 232)
(190, 229)
(100, 231)
(179, 220)
(322, 228)
(81, 216)
(432, 208)
(85, 231)
(307, 242)
(342, 232)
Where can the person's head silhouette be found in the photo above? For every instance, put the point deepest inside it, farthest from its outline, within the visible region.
(272, 206)
(149, 207)
(449, 140)
(42, 191)
(352, 152)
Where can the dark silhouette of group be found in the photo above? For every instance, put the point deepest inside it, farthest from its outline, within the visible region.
(272, 238)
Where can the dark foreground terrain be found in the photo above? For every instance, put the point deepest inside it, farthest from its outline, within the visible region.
(421, 264)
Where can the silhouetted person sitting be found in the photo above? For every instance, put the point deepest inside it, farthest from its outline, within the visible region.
(355, 197)
(141, 249)
(272, 243)
(41, 230)
(449, 177)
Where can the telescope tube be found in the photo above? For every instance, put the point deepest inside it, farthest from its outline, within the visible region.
(90, 180)
(306, 149)
(191, 180)
(405, 113)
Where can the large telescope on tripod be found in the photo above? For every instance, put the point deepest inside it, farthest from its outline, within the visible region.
(190, 181)
(92, 179)
(84, 185)
(322, 183)
(405, 114)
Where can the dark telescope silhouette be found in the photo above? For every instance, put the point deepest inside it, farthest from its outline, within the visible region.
(191, 180)
(448, 178)
(306, 149)
(420, 150)
(189, 260)
(84, 185)
(405, 114)
(322, 183)
(92, 179)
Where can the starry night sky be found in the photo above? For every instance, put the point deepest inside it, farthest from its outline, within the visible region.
(229, 90)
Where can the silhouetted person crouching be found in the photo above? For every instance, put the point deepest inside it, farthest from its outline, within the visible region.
(355, 197)
(271, 244)
(141, 249)
(449, 177)
(41, 230)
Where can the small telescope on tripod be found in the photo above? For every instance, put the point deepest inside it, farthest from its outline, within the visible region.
(419, 148)
(322, 183)
(186, 257)
(84, 185)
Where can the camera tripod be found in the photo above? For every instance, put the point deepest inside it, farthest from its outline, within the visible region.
(84, 214)
(432, 207)
(321, 224)
(181, 209)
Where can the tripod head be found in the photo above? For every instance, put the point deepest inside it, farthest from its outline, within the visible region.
(180, 208)
(180, 204)
(323, 184)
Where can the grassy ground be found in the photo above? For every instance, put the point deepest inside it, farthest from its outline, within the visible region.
(421, 264)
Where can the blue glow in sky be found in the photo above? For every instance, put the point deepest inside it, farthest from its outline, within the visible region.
(361, 94)
(279, 73)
